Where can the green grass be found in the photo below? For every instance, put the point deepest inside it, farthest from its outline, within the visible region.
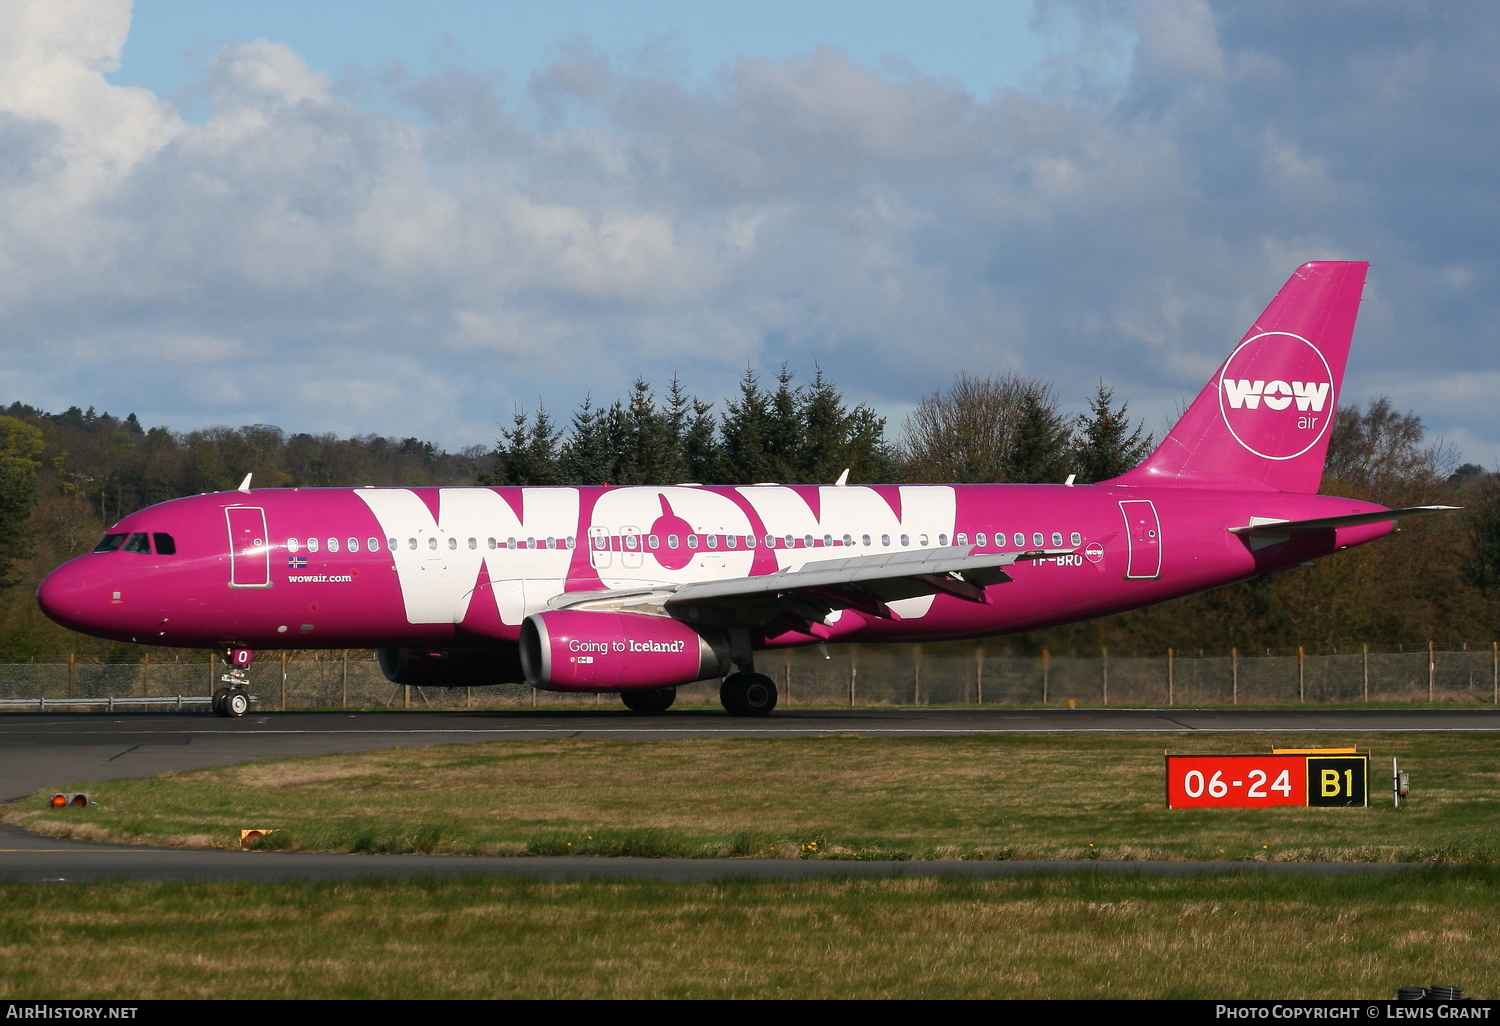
(1017, 797)
(1070, 935)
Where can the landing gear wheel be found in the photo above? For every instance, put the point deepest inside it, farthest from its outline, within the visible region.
(236, 703)
(748, 694)
(659, 700)
(217, 705)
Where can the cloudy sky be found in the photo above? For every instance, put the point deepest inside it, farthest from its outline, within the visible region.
(408, 217)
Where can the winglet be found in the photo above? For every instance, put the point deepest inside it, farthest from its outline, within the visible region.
(843, 479)
(245, 484)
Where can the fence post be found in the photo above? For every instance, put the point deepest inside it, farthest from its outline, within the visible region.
(1171, 694)
(1495, 659)
(1046, 672)
(916, 675)
(1365, 656)
(146, 675)
(789, 678)
(979, 674)
(1431, 671)
(70, 675)
(853, 674)
(1234, 676)
(1104, 670)
(1301, 677)
(344, 684)
(212, 660)
(283, 680)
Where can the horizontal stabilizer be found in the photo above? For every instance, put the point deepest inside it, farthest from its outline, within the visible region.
(1264, 526)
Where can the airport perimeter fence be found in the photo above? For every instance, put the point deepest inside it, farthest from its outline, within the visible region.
(871, 675)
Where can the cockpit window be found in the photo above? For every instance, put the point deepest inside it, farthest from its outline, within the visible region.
(109, 543)
(165, 545)
(137, 543)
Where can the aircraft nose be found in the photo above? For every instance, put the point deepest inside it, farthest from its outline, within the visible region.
(73, 596)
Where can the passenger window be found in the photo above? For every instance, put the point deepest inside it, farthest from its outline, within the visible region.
(864, 539)
(731, 541)
(552, 543)
(110, 542)
(531, 543)
(770, 541)
(653, 541)
(713, 541)
(570, 541)
(333, 544)
(791, 542)
(138, 543)
(373, 544)
(827, 539)
(749, 541)
(943, 540)
(848, 540)
(390, 543)
(1037, 539)
(807, 541)
(671, 541)
(692, 541)
(885, 539)
(1075, 538)
(292, 545)
(1019, 539)
(1056, 539)
(905, 539)
(630, 541)
(312, 545)
(473, 543)
(411, 543)
(490, 542)
(432, 541)
(353, 545)
(510, 543)
(165, 544)
(452, 543)
(961, 539)
(922, 541)
(978, 539)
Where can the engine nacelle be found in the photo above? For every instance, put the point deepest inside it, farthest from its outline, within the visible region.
(581, 650)
(451, 667)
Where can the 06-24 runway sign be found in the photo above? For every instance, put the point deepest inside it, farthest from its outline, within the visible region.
(1330, 777)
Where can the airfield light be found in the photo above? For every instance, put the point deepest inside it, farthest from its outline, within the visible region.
(75, 799)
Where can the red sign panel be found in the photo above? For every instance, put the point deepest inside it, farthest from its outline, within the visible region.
(1235, 781)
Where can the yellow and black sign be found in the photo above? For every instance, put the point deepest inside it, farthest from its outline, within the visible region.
(1338, 780)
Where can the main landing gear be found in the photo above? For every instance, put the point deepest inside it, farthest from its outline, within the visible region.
(233, 700)
(655, 701)
(748, 694)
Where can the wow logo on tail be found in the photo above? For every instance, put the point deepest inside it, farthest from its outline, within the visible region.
(1274, 395)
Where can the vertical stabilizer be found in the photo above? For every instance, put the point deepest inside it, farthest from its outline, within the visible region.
(1265, 418)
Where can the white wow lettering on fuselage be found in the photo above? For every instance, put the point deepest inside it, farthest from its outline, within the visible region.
(1277, 395)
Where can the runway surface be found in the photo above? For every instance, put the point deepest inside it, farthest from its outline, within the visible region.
(28, 858)
(54, 750)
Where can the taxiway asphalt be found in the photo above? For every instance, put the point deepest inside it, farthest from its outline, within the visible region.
(54, 750)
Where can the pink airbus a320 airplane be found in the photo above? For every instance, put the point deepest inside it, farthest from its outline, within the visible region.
(638, 590)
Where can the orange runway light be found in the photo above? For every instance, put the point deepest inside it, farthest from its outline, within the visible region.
(75, 799)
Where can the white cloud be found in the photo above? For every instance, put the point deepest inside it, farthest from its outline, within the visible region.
(300, 259)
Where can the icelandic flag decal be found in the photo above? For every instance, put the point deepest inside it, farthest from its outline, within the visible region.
(296, 562)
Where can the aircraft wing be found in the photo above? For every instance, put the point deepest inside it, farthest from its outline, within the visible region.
(1266, 525)
(800, 598)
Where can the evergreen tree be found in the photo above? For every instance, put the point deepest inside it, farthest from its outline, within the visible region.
(1104, 445)
(21, 446)
(586, 457)
(527, 452)
(745, 436)
(1039, 453)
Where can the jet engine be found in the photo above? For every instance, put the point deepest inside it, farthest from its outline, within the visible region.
(451, 667)
(582, 650)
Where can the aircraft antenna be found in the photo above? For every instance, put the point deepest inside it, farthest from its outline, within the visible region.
(245, 484)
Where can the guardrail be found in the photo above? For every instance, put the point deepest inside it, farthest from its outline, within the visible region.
(43, 704)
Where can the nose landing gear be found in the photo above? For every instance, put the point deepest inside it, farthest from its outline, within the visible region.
(233, 700)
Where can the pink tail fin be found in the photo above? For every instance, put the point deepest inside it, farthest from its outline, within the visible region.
(1264, 419)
